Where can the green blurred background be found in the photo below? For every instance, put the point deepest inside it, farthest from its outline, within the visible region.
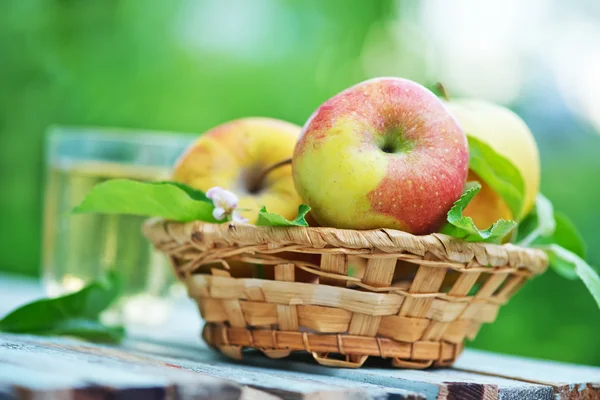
(186, 65)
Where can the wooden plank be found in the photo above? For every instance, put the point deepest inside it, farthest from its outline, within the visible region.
(433, 384)
(20, 382)
(285, 383)
(295, 385)
(262, 376)
(56, 368)
(446, 382)
(101, 371)
(465, 385)
(567, 380)
(478, 375)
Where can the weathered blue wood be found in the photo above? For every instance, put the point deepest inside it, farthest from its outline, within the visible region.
(174, 363)
(109, 372)
(565, 379)
(441, 383)
(56, 365)
(18, 382)
(213, 363)
(429, 382)
(187, 325)
(6, 395)
(434, 384)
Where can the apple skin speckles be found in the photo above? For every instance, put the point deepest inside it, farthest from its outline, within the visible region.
(341, 164)
(433, 198)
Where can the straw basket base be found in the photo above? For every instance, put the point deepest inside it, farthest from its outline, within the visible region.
(342, 295)
(332, 350)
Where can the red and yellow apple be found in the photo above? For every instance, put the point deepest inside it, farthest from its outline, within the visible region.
(235, 156)
(385, 153)
(509, 136)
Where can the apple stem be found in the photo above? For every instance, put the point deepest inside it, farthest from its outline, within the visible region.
(443, 91)
(258, 181)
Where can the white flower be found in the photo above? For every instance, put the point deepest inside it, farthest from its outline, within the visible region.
(218, 213)
(225, 203)
(237, 217)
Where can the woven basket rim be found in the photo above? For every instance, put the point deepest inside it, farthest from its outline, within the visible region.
(376, 242)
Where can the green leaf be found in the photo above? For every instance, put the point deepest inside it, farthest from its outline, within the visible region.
(540, 222)
(561, 266)
(566, 235)
(464, 228)
(75, 314)
(169, 200)
(570, 265)
(544, 226)
(499, 173)
(193, 193)
(92, 330)
(266, 218)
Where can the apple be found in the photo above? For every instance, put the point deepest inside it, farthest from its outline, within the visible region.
(237, 156)
(509, 136)
(382, 154)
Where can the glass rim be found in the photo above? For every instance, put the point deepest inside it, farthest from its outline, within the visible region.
(106, 134)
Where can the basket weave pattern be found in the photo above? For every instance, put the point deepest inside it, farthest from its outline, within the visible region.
(342, 295)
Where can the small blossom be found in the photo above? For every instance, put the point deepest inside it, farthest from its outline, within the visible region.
(225, 203)
(218, 213)
(222, 198)
(237, 217)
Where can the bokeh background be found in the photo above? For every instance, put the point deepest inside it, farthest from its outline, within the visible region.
(188, 65)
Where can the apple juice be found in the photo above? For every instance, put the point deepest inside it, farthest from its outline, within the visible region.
(78, 248)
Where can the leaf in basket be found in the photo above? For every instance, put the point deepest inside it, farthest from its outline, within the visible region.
(463, 227)
(266, 218)
(193, 193)
(169, 200)
(570, 265)
(499, 173)
(75, 314)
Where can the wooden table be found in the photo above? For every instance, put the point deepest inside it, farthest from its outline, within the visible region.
(172, 363)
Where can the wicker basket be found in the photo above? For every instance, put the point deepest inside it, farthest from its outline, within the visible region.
(342, 295)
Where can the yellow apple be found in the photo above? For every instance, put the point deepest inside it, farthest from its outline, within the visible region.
(509, 136)
(236, 155)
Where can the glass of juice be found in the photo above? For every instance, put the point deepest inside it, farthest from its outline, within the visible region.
(78, 248)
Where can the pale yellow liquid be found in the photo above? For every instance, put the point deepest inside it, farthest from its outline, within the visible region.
(78, 248)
